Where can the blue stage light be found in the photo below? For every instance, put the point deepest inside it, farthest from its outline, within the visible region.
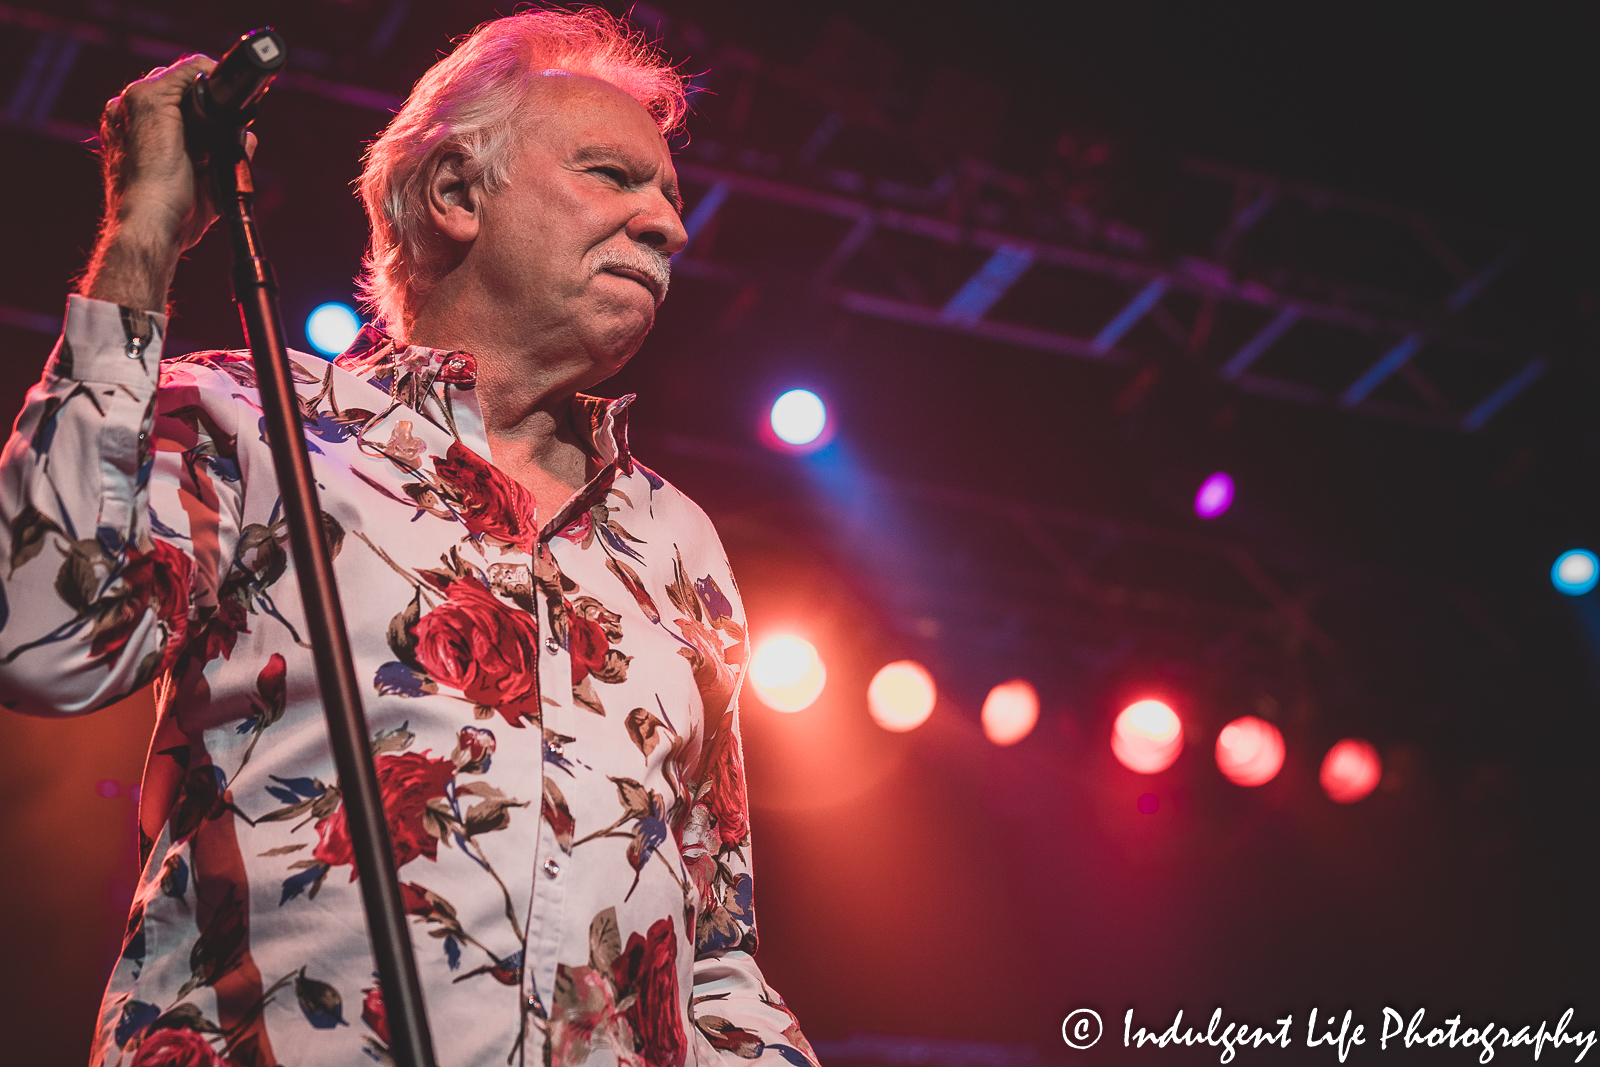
(1575, 572)
(799, 417)
(331, 327)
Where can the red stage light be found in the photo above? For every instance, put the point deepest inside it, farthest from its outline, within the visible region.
(901, 696)
(1010, 712)
(1350, 770)
(1250, 751)
(1147, 737)
(787, 674)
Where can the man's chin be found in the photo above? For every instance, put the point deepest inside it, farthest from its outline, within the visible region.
(609, 359)
(622, 335)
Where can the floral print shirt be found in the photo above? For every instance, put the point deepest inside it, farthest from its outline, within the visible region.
(552, 697)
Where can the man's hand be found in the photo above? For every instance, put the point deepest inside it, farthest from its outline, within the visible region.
(156, 208)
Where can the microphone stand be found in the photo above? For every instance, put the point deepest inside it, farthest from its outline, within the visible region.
(255, 290)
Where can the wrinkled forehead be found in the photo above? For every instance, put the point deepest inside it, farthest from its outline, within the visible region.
(568, 112)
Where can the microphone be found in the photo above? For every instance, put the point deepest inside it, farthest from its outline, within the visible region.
(227, 97)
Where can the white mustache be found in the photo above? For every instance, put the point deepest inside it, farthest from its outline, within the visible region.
(647, 261)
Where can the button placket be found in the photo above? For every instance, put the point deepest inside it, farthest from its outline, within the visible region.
(549, 890)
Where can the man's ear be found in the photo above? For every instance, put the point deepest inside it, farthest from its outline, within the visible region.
(455, 203)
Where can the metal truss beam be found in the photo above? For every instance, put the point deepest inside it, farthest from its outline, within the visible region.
(985, 288)
(1276, 613)
(1129, 316)
(1257, 346)
(967, 310)
(1402, 353)
(59, 43)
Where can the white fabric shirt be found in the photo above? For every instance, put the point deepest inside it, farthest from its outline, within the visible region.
(551, 690)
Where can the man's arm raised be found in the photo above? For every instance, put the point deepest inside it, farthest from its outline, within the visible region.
(104, 503)
(156, 208)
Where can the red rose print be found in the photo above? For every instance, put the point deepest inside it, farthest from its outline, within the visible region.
(374, 1014)
(711, 674)
(159, 576)
(579, 528)
(415, 899)
(648, 968)
(474, 750)
(408, 780)
(223, 628)
(592, 629)
(491, 503)
(588, 646)
(702, 869)
(725, 799)
(176, 1048)
(271, 684)
(490, 652)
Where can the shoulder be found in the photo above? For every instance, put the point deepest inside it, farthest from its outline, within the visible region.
(671, 506)
(204, 389)
(232, 369)
(695, 546)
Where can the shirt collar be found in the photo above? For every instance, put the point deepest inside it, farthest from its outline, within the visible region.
(441, 386)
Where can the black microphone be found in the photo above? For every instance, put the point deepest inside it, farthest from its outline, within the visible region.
(227, 97)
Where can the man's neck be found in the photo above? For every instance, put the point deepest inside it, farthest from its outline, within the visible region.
(526, 403)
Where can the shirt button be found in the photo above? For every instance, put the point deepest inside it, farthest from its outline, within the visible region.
(555, 749)
(551, 646)
(135, 347)
(552, 868)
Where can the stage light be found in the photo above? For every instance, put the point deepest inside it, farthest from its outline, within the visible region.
(1148, 804)
(331, 327)
(799, 417)
(1010, 711)
(901, 696)
(787, 674)
(1215, 496)
(1350, 770)
(1147, 737)
(1250, 751)
(1575, 572)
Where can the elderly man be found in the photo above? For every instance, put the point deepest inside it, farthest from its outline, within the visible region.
(552, 638)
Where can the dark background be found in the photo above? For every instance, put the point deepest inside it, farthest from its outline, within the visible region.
(931, 884)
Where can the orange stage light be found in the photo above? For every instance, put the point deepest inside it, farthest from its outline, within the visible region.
(787, 674)
(901, 696)
(1010, 712)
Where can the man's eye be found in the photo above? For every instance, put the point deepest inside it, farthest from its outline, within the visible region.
(614, 173)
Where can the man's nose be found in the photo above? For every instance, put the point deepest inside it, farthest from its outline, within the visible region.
(659, 227)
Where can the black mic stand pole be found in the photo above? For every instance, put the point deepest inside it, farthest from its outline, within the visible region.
(255, 290)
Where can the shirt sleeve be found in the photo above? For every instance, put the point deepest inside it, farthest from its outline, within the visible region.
(108, 485)
(737, 1016)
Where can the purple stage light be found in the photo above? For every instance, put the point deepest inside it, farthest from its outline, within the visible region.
(1215, 496)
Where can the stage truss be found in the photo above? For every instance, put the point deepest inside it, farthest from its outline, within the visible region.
(1266, 285)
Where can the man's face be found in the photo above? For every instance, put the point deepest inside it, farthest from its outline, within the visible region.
(575, 246)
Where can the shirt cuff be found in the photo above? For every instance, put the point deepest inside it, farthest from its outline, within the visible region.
(103, 342)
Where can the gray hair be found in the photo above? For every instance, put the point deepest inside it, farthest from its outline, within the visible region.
(470, 102)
